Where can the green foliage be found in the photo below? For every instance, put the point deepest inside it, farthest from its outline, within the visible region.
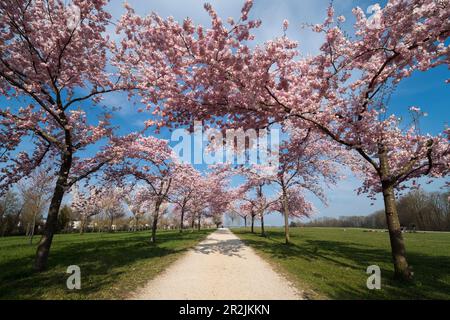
(332, 262)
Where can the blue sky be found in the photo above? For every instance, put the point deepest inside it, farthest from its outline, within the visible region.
(426, 90)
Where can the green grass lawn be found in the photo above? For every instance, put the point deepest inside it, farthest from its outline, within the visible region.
(112, 264)
(331, 262)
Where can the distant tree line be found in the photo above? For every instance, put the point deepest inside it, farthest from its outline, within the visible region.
(418, 210)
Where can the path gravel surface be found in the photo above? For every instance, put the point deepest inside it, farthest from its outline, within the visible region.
(221, 267)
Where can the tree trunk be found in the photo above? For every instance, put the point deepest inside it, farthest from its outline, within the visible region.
(253, 224)
(155, 224)
(263, 232)
(27, 231)
(286, 217)
(182, 220)
(111, 222)
(401, 267)
(154, 227)
(82, 223)
(33, 226)
(193, 223)
(245, 222)
(3, 229)
(199, 222)
(43, 249)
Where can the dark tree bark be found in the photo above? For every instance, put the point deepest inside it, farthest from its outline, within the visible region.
(263, 232)
(83, 222)
(111, 222)
(136, 221)
(401, 268)
(286, 216)
(253, 224)
(182, 220)
(155, 224)
(43, 249)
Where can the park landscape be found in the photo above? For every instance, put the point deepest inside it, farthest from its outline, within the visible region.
(84, 183)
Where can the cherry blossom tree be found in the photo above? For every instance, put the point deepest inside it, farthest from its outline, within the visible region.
(86, 204)
(307, 162)
(184, 58)
(134, 198)
(187, 184)
(237, 208)
(199, 204)
(354, 112)
(111, 204)
(292, 203)
(257, 178)
(149, 161)
(219, 195)
(248, 209)
(53, 63)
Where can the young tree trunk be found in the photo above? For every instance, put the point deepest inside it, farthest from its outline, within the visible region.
(286, 217)
(263, 232)
(27, 231)
(3, 226)
(253, 224)
(43, 249)
(245, 222)
(111, 222)
(401, 267)
(33, 226)
(182, 220)
(82, 223)
(154, 227)
(199, 222)
(155, 224)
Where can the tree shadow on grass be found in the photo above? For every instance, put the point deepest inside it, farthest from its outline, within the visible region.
(101, 260)
(432, 272)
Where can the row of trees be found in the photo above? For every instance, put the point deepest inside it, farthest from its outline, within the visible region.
(56, 69)
(110, 208)
(152, 191)
(418, 210)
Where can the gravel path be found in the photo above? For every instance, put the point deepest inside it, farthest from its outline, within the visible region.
(219, 268)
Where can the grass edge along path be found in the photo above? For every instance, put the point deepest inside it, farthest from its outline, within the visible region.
(113, 265)
(331, 263)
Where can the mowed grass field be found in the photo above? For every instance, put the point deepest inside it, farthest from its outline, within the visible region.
(112, 264)
(331, 263)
